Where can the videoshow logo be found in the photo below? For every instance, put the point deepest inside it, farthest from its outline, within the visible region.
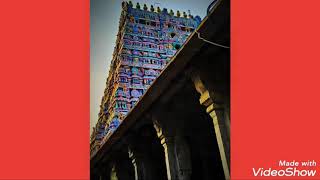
(286, 168)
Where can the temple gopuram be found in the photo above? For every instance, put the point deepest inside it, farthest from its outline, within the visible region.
(165, 114)
(146, 41)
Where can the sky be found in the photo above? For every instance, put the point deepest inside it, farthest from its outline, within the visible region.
(104, 21)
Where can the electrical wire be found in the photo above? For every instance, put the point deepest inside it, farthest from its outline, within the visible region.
(207, 41)
(211, 6)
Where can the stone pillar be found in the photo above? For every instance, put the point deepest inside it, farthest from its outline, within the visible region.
(143, 163)
(177, 153)
(218, 108)
(138, 164)
(113, 173)
(170, 157)
(183, 154)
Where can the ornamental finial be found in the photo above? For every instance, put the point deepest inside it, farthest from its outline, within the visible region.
(185, 14)
(171, 12)
(145, 7)
(178, 13)
(190, 16)
(138, 5)
(123, 4)
(130, 4)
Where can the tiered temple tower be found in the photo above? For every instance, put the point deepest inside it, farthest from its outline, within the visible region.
(146, 41)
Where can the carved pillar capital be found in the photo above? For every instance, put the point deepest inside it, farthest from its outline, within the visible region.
(177, 153)
(136, 162)
(216, 103)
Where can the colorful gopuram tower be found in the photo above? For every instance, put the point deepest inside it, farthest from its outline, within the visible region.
(146, 41)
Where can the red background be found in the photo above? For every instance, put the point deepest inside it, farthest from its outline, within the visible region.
(44, 75)
(275, 83)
